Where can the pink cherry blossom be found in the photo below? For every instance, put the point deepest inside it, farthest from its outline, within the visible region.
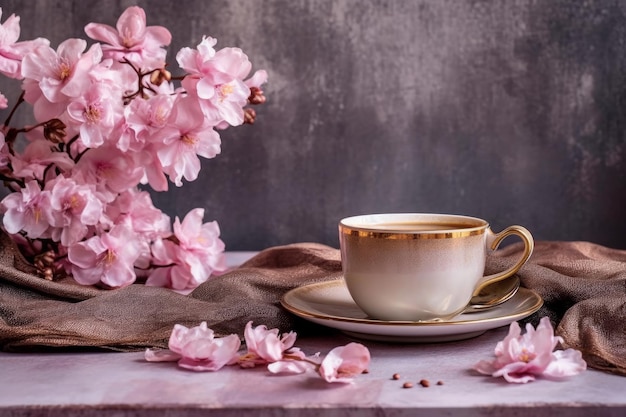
(9, 34)
(144, 218)
(198, 349)
(36, 158)
(144, 118)
(75, 206)
(216, 78)
(11, 51)
(153, 170)
(168, 270)
(52, 77)
(266, 346)
(110, 169)
(28, 210)
(96, 112)
(343, 363)
(132, 39)
(107, 258)
(183, 139)
(107, 118)
(191, 261)
(200, 241)
(340, 365)
(521, 358)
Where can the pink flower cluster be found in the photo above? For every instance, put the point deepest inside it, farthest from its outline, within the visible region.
(198, 349)
(520, 358)
(110, 118)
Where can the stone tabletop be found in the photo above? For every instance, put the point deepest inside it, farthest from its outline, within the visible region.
(124, 384)
(94, 384)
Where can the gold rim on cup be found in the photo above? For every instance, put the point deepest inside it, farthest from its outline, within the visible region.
(475, 226)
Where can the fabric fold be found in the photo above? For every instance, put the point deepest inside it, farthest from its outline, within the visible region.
(583, 286)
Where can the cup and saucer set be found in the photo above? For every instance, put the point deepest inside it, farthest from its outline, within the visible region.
(417, 278)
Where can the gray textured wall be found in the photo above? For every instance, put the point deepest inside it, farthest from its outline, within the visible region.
(509, 110)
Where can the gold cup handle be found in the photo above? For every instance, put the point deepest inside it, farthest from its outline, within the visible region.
(529, 245)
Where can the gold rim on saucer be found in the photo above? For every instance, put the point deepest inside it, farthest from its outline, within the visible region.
(528, 300)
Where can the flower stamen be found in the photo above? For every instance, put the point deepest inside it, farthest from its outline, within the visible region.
(109, 257)
(64, 71)
(188, 139)
(93, 114)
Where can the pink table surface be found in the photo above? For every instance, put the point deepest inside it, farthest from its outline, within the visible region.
(124, 384)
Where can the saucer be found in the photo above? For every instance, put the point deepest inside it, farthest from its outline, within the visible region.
(330, 304)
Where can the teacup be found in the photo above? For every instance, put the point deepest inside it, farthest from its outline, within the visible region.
(417, 266)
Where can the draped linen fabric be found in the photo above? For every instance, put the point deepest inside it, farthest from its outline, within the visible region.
(583, 286)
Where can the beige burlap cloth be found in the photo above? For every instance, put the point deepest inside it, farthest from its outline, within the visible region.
(583, 285)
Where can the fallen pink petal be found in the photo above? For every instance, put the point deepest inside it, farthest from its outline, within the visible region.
(343, 363)
(266, 345)
(522, 358)
(164, 355)
(290, 367)
(200, 350)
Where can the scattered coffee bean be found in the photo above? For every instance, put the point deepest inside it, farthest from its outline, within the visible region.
(425, 383)
(395, 376)
(439, 382)
(366, 371)
(407, 385)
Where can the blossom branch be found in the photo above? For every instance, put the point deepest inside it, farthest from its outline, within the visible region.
(20, 100)
(82, 194)
(141, 86)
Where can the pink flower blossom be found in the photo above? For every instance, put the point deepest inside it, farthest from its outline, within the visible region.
(137, 208)
(145, 117)
(132, 39)
(107, 258)
(343, 363)
(11, 51)
(75, 206)
(216, 78)
(108, 118)
(198, 349)
(267, 346)
(52, 78)
(112, 170)
(520, 358)
(183, 139)
(191, 261)
(36, 158)
(96, 112)
(28, 210)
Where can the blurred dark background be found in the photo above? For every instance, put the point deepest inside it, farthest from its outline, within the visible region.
(514, 111)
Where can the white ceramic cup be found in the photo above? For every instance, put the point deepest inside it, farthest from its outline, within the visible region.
(417, 266)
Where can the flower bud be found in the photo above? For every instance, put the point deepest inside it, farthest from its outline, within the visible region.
(256, 96)
(159, 75)
(54, 130)
(249, 116)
